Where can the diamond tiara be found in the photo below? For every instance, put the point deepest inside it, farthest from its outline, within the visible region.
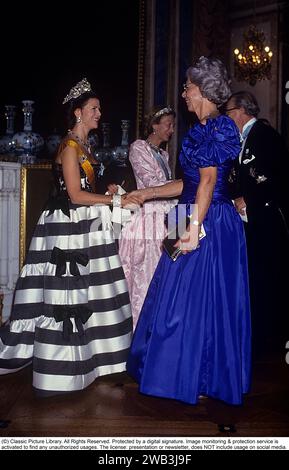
(81, 87)
(166, 110)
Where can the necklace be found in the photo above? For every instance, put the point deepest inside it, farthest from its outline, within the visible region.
(153, 146)
(80, 141)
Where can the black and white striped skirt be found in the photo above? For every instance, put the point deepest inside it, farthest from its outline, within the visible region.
(71, 316)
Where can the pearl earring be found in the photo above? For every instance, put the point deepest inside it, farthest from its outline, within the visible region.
(154, 132)
(78, 119)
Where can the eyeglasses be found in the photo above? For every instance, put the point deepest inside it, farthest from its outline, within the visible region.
(230, 109)
(186, 86)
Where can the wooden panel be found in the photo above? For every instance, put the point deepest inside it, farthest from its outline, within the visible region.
(36, 182)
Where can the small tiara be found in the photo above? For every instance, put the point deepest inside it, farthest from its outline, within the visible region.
(166, 110)
(77, 90)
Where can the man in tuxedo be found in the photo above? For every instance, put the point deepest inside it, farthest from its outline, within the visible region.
(259, 184)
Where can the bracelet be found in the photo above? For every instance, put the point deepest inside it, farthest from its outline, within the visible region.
(194, 222)
(116, 200)
(154, 193)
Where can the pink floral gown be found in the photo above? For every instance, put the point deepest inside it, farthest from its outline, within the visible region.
(141, 238)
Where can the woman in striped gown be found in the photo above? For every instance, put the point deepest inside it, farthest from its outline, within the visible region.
(71, 316)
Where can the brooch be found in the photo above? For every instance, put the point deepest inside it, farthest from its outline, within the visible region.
(258, 178)
(248, 160)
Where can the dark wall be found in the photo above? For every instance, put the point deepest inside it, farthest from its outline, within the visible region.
(285, 74)
(97, 40)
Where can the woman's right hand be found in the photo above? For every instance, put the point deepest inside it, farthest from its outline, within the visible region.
(131, 200)
(141, 194)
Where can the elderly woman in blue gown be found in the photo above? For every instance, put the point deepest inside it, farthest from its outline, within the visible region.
(193, 334)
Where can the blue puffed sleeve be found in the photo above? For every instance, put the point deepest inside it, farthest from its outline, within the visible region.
(212, 144)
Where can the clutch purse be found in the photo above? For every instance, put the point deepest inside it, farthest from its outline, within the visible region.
(172, 238)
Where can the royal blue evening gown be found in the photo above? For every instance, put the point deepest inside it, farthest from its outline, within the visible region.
(193, 335)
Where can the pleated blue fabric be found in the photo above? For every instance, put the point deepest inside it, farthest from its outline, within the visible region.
(194, 334)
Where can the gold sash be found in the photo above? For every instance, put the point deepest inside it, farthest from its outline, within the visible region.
(83, 160)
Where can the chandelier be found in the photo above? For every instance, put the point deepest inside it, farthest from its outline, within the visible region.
(254, 62)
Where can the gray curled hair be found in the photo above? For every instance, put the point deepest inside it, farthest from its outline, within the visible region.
(211, 76)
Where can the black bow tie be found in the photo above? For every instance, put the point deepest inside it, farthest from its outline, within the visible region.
(64, 313)
(60, 257)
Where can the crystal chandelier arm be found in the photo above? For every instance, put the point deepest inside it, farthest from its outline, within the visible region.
(253, 63)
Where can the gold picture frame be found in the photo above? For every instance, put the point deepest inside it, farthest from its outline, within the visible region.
(35, 183)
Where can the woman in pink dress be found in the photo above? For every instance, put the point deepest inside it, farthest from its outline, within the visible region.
(141, 238)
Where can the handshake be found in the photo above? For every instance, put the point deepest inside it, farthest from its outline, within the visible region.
(131, 201)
